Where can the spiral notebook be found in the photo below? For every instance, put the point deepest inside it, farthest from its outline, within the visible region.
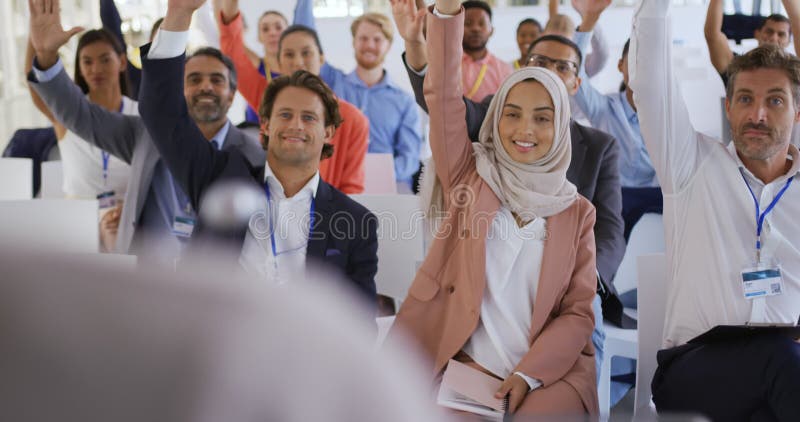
(470, 390)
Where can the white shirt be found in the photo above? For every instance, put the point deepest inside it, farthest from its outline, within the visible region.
(709, 214)
(290, 221)
(83, 165)
(513, 264)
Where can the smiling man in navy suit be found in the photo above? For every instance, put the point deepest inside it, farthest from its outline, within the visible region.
(302, 215)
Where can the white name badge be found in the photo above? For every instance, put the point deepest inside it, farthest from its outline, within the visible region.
(762, 281)
(183, 226)
(106, 200)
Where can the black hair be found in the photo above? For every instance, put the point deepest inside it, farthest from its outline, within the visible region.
(529, 21)
(299, 28)
(99, 35)
(472, 4)
(215, 53)
(559, 39)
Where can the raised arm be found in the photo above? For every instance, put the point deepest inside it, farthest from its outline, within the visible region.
(552, 8)
(410, 22)
(450, 145)
(109, 15)
(231, 41)
(671, 141)
(37, 100)
(597, 59)
(591, 101)
(304, 14)
(793, 12)
(718, 47)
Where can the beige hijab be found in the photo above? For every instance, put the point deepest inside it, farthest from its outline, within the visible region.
(539, 189)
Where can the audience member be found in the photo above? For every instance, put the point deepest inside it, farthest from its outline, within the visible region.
(615, 114)
(481, 278)
(482, 72)
(528, 31)
(593, 167)
(299, 116)
(562, 25)
(775, 29)
(715, 243)
(299, 49)
(156, 217)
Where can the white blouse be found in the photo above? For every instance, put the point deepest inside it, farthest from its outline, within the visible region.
(83, 165)
(513, 264)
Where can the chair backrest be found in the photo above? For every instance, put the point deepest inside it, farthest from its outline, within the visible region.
(652, 297)
(52, 180)
(400, 241)
(16, 179)
(379, 174)
(51, 224)
(647, 237)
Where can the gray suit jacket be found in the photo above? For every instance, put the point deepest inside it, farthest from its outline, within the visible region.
(126, 138)
(594, 170)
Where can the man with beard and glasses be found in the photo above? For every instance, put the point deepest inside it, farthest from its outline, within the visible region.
(730, 225)
(157, 217)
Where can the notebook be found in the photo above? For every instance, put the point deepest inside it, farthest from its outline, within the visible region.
(470, 390)
(731, 332)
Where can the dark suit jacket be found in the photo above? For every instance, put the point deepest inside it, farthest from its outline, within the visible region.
(195, 164)
(594, 170)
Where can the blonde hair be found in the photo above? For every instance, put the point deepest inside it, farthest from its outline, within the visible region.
(560, 25)
(380, 20)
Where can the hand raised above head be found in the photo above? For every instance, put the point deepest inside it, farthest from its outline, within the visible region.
(229, 8)
(46, 33)
(187, 5)
(179, 14)
(448, 7)
(409, 20)
(590, 7)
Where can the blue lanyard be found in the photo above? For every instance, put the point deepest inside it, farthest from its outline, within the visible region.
(106, 156)
(272, 228)
(760, 216)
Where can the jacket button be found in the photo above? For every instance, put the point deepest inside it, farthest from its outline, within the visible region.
(451, 289)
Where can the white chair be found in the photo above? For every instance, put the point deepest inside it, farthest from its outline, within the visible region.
(52, 180)
(379, 174)
(647, 237)
(653, 303)
(16, 179)
(59, 225)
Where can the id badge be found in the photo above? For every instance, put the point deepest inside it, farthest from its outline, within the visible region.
(762, 280)
(106, 200)
(183, 226)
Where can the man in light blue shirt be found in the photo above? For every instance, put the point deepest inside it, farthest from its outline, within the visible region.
(394, 122)
(616, 114)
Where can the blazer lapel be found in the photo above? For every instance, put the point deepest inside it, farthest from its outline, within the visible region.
(320, 232)
(557, 250)
(578, 153)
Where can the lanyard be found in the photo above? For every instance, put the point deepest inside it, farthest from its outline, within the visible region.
(478, 81)
(516, 64)
(759, 215)
(272, 228)
(106, 156)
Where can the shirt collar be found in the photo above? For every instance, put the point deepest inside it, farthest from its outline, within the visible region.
(794, 155)
(221, 135)
(275, 184)
(630, 113)
(488, 59)
(353, 78)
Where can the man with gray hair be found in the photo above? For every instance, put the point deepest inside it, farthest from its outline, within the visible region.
(730, 221)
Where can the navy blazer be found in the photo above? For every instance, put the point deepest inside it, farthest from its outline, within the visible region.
(196, 165)
(594, 170)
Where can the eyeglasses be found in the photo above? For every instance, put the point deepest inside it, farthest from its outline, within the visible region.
(564, 67)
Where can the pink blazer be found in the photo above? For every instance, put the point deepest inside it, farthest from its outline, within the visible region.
(443, 305)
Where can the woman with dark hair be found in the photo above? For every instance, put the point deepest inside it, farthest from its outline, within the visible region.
(90, 172)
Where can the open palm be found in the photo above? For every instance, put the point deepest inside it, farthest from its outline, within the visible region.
(47, 34)
(409, 20)
(590, 7)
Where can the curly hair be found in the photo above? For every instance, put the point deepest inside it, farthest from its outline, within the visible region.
(311, 82)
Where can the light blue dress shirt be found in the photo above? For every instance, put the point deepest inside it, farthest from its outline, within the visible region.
(613, 114)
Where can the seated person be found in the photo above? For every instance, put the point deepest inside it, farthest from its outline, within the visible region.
(615, 114)
(482, 72)
(528, 31)
(299, 49)
(299, 115)
(713, 237)
(157, 218)
(562, 25)
(503, 299)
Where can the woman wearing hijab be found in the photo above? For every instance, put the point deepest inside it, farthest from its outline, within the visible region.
(508, 282)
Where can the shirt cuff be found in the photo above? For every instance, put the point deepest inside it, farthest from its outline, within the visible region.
(168, 44)
(532, 382)
(439, 14)
(47, 74)
(582, 40)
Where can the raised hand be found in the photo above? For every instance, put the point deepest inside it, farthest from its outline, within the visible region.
(408, 19)
(448, 7)
(46, 33)
(590, 7)
(230, 8)
(179, 14)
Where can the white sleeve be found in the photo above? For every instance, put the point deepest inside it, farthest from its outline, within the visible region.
(668, 134)
(533, 383)
(168, 44)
